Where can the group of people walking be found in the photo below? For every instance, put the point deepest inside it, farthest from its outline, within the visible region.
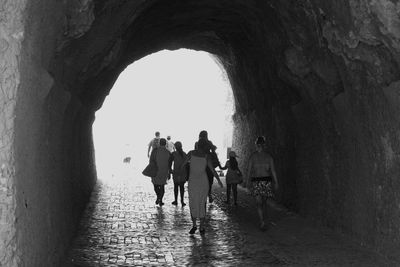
(197, 167)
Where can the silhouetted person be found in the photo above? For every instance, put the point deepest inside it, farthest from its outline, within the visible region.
(178, 173)
(233, 177)
(170, 145)
(161, 156)
(154, 143)
(198, 185)
(260, 178)
(210, 150)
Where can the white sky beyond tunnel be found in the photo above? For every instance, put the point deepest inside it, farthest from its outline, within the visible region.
(177, 93)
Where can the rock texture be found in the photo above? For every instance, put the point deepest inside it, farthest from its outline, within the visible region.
(320, 79)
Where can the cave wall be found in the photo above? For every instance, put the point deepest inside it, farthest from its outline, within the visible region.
(10, 49)
(341, 58)
(51, 151)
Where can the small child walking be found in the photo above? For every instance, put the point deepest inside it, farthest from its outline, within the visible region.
(233, 177)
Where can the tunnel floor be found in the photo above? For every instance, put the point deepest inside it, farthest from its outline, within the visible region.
(122, 226)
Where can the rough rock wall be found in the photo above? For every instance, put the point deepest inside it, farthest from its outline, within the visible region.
(11, 35)
(53, 151)
(341, 57)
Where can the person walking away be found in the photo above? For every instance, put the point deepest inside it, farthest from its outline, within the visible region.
(233, 177)
(198, 184)
(261, 176)
(178, 173)
(154, 143)
(161, 156)
(210, 150)
(170, 145)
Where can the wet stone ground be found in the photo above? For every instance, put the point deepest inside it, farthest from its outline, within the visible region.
(122, 226)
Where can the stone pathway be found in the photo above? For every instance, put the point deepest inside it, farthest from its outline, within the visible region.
(122, 226)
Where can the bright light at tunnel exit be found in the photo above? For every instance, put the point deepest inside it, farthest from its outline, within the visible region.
(178, 93)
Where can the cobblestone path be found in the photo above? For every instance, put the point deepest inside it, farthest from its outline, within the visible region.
(122, 226)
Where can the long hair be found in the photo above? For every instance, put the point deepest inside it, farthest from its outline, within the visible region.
(178, 147)
(233, 163)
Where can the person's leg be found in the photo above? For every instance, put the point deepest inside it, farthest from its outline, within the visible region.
(202, 222)
(156, 189)
(260, 212)
(162, 191)
(175, 202)
(228, 193)
(234, 189)
(194, 226)
(210, 177)
(182, 191)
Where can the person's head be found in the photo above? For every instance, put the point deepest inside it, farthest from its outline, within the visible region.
(202, 145)
(168, 137)
(260, 143)
(178, 145)
(163, 142)
(157, 134)
(232, 160)
(232, 154)
(203, 134)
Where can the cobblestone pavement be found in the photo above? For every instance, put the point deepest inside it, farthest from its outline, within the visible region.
(122, 226)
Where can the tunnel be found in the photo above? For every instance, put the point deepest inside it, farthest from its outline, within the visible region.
(319, 79)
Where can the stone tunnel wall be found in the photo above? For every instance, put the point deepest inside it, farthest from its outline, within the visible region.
(10, 48)
(47, 167)
(344, 127)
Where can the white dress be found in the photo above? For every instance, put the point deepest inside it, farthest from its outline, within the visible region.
(198, 186)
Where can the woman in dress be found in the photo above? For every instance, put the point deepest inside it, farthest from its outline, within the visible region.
(178, 174)
(261, 176)
(198, 185)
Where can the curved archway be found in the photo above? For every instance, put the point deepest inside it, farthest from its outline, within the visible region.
(178, 93)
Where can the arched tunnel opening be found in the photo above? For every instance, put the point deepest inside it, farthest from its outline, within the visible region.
(318, 79)
(177, 93)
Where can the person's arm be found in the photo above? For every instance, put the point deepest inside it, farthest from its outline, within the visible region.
(170, 160)
(148, 150)
(225, 167)
(274, 174)
(186, 161)
(210, 166)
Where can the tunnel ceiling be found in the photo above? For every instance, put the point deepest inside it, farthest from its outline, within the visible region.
(113, 34)
(281, 49)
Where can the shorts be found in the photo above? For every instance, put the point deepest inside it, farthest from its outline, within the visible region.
(262, 186)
